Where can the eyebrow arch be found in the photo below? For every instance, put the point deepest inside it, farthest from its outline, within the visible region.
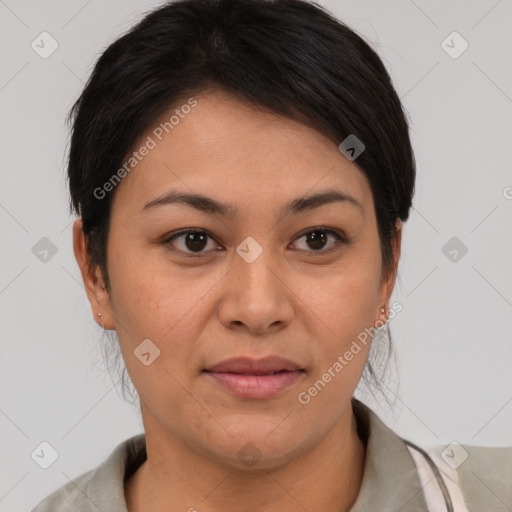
(209, 205)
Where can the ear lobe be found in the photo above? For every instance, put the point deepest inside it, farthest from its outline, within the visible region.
(92, 278)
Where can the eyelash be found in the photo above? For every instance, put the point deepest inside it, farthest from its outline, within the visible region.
(340, 239)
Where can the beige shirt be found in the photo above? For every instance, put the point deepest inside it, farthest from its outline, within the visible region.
(390, 480)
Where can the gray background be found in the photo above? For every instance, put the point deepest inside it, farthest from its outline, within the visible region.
(452, 337)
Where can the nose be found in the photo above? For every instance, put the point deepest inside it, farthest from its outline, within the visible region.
(257, 297)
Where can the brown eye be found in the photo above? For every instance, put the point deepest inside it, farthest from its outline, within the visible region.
(194, 242)
(316, 239)
(190, 241)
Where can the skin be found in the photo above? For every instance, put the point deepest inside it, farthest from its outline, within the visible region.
(292, 301)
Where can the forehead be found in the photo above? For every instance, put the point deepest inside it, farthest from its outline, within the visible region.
(225, 148)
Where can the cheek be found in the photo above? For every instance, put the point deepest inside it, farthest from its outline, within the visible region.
(152, 305)
(345, 310)
(168, 308)
(146, 292)
(343, 336)
(351, 297)
(347, 320)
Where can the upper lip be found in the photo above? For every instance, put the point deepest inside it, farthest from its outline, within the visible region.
(254, 366)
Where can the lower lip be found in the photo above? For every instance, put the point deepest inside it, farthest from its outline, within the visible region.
(256, 386)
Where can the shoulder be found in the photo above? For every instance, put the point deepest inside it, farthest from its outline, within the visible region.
(100, 488)
(68, 495)
(482, 475)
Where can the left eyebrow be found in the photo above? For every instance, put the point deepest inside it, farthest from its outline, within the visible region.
(209, 205)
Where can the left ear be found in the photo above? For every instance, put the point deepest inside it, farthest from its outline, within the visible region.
(388, 282)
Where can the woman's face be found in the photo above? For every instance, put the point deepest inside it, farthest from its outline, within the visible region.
(261, 281)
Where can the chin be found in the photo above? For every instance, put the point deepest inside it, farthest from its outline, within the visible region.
(258, 456)
(251, 447)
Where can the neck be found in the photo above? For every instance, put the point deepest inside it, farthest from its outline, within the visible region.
(176, 478)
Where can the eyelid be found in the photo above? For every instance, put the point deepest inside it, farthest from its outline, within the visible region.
(168, 239)
(332, 231)
(341, 239)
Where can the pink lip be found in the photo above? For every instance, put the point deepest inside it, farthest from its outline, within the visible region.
(252, 378)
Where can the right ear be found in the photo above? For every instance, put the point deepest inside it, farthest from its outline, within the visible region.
(93, 280)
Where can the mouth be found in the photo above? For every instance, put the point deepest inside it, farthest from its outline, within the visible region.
(255, 379)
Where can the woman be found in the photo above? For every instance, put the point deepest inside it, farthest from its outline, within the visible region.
(242, 170)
